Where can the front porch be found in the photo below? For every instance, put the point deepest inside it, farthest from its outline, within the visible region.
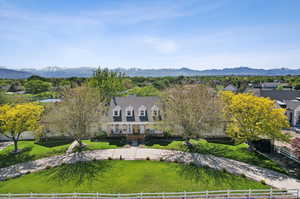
(132, 128)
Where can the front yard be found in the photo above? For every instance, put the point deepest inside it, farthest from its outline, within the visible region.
(120, 176)
(31, 151)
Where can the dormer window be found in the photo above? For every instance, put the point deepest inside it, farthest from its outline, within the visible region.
(117, 111)
(142, 111)
(155, 111)
(129, 111)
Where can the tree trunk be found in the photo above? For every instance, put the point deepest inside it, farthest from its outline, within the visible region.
(15, 146)
(251, 146)
(188, 144)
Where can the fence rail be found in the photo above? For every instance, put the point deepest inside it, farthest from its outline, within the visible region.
(287, 153)
(220, 194)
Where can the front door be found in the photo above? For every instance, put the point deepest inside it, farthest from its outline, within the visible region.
(136, 129)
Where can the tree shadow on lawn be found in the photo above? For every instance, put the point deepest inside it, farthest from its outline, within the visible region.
(202, 174)
(9, 158)
(79, 172)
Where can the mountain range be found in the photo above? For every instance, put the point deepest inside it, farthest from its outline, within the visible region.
(88, 71)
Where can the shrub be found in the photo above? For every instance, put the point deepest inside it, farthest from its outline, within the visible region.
(224, 170)
(243, 175)
(147, 158)
(109, 158)
(161, 159)
(263, 182)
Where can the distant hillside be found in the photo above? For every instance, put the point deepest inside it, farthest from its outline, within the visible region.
(61, 72)
(13, 74)
(88, 71)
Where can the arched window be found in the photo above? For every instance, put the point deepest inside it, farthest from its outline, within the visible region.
(117, 111)
(129, 111)
(142, 111)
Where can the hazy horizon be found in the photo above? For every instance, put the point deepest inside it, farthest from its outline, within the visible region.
(144, 68)
(195, 34)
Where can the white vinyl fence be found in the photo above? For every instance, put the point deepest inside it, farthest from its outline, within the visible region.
(223, 194)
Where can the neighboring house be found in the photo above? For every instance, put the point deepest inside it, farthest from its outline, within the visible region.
(293, 112)
(272, 86)
(132, 115)
(287, 99)
(231, 88)
(278, 95)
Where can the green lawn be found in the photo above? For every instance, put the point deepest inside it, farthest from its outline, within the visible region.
(31, 151)
(120, 176)
(236, 152)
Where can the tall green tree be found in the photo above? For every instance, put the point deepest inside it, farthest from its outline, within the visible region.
(108, 83)
(144, 91)
(37, 86)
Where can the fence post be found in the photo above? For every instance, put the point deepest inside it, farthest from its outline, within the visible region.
(141, 195)
(119, 195)
(271, 193)
(249, 194)
(206, 194)
(97, 195)
(9, 196)
(30, 194)
(184, 194)
(228, 193)
(163, 195)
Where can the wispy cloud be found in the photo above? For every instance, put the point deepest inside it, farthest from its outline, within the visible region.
(163, 46)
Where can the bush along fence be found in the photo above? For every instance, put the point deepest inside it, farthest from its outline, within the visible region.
(221, 194)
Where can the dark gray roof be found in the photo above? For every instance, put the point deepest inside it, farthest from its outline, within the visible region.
(281, 95)
(136, 102)
(292, 104)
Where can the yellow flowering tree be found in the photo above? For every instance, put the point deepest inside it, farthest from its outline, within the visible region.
(16, 119)
(253, 118)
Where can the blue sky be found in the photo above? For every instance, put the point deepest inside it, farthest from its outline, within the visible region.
(198, 34)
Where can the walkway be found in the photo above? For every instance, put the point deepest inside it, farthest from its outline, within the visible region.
(272, 178)
(4, 145)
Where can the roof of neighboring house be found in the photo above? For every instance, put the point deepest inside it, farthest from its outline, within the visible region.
(281, 95)
(292, 104)
(230, 87)
(135, 102)
(273, 84)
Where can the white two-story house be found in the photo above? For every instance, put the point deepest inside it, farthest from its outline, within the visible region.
(133, 115)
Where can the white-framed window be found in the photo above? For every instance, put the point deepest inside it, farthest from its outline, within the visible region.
(142, 111)
(129, 111)
(155, 111)
(116, 111)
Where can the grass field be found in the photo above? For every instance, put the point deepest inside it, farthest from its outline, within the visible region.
(31, 151)
(120, 176)
(236, 152)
